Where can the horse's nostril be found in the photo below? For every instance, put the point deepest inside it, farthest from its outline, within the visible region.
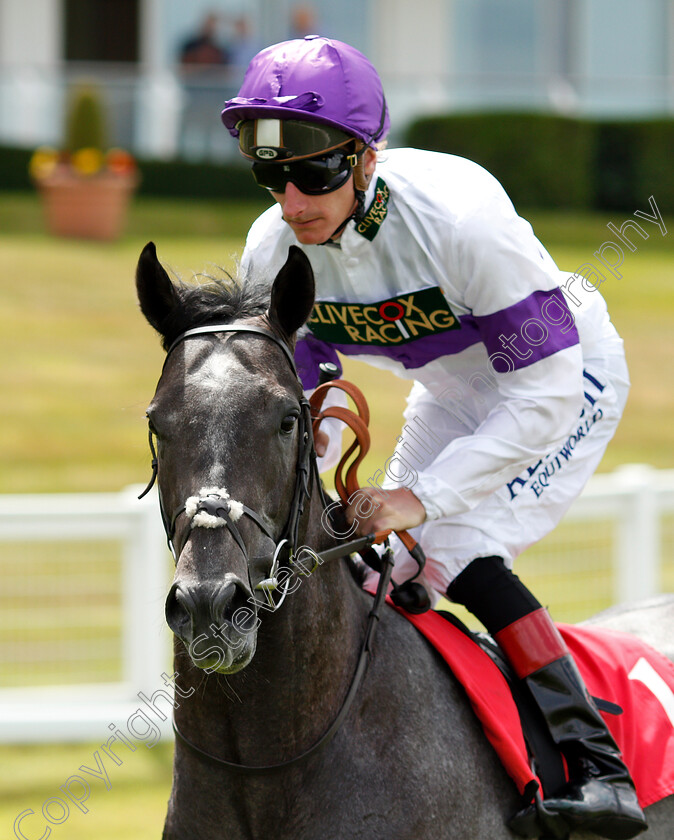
(195, 609)
(227, 601)
(177, 610)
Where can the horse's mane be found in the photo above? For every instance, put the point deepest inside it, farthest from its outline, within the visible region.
(209, 300)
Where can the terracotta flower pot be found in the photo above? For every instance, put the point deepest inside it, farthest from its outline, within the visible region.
(90, 207)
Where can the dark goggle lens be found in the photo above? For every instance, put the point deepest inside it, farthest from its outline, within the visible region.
(312, 176)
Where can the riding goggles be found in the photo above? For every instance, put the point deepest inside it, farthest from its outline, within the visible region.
(312, 176)
(275, 140)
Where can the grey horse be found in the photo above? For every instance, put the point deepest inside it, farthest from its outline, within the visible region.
(258, 688)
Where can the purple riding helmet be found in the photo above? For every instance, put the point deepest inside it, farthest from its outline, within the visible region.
(314, 80)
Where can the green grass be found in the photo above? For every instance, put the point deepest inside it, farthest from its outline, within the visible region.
(80, 365)
(133, 807)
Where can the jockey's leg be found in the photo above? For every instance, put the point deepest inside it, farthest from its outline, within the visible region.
(600, 795)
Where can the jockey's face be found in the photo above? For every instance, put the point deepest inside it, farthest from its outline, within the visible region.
(314, 218)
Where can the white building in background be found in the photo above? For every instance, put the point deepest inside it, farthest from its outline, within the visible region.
(591, 57)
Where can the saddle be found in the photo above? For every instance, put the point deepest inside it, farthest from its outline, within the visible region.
(631, 683)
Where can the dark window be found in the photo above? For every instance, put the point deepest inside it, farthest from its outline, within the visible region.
(101, 30)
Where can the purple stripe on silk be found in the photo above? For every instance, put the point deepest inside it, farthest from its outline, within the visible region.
(528, 331)
(310, 352)
(532, 329)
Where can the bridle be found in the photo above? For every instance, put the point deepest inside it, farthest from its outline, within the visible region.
(306, 473)
(215, 506)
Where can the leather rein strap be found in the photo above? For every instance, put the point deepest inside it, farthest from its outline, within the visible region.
(347, 486)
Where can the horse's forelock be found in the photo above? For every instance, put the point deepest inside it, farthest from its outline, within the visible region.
(215, 300)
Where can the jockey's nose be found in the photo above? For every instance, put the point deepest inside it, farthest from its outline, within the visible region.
(294, 200)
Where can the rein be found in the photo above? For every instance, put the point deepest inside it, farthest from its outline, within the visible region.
(215, 505)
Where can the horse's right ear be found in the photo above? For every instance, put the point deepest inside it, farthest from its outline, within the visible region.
(156, 294)
(292, 295)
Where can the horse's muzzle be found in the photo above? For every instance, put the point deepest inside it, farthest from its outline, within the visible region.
(215, 621)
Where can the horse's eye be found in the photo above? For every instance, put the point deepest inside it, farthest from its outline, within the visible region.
(288, 423)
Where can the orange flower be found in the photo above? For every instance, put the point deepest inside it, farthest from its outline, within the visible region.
(120, 162)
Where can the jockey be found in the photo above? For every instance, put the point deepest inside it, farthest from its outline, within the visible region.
(424, 268)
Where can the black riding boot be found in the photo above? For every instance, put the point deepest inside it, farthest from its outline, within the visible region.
(600, 795)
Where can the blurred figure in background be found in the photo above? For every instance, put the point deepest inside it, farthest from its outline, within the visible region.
(243, 45)
(203, 65)
(303, 21)
(203, 49)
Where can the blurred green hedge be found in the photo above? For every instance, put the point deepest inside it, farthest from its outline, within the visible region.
(14, 168)
(174, 179)
(543, 161)
(198, 180)
(636, 162)
(558, 162)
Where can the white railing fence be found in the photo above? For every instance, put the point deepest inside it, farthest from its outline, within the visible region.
(82, 630)
(100, 597)
(636, 498)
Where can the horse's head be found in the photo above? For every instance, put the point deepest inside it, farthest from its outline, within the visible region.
(229, 420)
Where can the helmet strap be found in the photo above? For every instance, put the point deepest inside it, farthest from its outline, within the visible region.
(359, 213)
(360, 179)
(360, 185)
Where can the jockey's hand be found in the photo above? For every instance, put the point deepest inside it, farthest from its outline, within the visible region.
(382, 510)
(321, 441)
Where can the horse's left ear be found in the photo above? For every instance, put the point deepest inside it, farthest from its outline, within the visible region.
(156, 293)
(292, 295)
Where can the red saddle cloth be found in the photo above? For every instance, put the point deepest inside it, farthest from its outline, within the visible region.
(615, 666)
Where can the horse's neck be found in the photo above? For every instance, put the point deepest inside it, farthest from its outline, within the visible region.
(295, 685)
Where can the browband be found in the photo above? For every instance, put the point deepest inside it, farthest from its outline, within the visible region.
(249, 328)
